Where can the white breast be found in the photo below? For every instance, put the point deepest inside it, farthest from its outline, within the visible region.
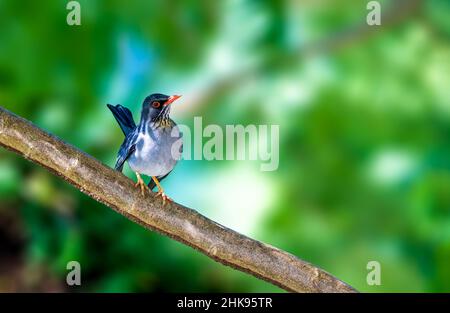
(156, 152)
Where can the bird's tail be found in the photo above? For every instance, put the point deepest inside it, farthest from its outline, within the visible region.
(123, 117)
(151, 184)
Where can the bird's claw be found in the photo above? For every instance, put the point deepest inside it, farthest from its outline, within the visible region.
(164, 197)
(142, 184)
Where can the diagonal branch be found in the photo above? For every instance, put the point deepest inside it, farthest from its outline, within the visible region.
(183, 224)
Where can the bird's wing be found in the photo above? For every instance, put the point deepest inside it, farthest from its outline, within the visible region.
(123, 117)
(126, 149)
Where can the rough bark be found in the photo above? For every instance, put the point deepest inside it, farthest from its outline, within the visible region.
(183, 224)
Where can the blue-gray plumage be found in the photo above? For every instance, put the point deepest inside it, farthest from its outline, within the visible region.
(154, 146)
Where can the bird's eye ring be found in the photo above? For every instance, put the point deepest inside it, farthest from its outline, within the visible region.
(156, 104)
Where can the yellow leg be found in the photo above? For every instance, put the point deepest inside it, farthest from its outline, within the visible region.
(141, 183)
(161, 191)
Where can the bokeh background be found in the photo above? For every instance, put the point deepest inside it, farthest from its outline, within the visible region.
(364, 137)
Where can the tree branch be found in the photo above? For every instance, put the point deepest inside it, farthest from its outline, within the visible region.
(183, 224)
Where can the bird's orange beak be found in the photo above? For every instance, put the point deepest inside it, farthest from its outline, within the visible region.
(171, 99)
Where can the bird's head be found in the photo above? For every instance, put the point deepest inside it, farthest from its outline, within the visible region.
(156, 107)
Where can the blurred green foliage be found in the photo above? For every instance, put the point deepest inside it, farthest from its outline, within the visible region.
(364, 137)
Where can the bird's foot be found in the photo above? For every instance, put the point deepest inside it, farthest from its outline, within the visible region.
(161, 191)
(164, 197)
(142, 184)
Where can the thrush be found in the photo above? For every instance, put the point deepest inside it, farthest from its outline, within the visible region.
(152, 147)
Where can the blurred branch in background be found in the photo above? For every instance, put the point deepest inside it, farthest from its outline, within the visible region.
(180, 223)
(394, 14)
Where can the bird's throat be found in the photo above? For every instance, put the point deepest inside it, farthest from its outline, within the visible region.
(164, 123)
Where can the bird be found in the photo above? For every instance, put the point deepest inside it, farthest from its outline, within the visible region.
(152, 147)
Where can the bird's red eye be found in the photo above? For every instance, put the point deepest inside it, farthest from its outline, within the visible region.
(156, 104)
